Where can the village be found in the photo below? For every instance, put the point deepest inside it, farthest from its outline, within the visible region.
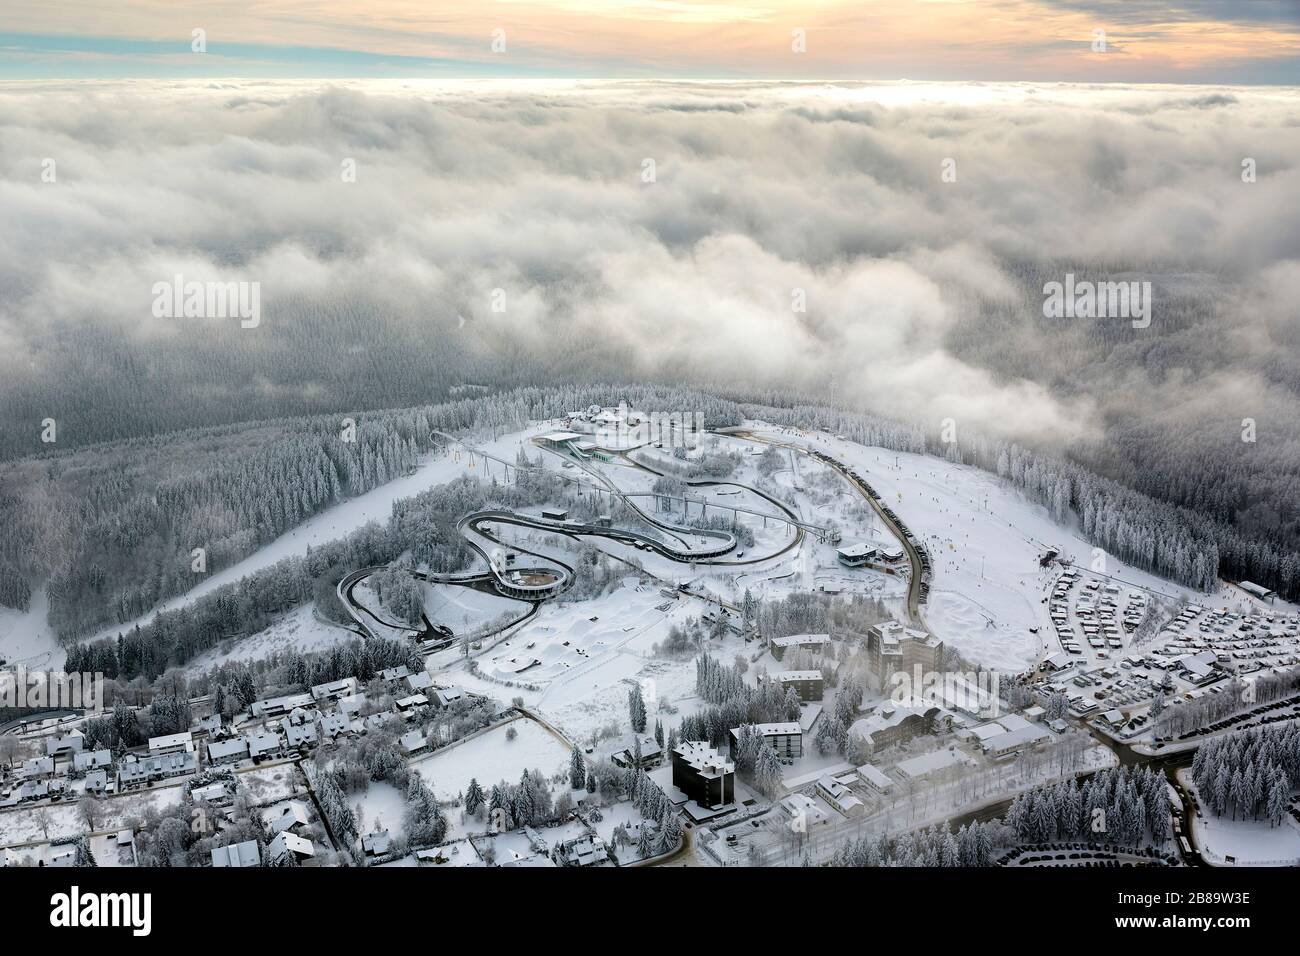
(69, 798)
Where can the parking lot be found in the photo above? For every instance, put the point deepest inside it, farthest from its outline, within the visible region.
(1242, 644)
(1192, 655)
(1094, 617)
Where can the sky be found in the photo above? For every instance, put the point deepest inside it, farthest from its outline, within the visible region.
(1186, 41)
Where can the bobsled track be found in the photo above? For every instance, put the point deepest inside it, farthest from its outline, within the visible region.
(517, 572)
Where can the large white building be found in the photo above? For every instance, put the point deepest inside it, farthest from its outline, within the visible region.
(896, 722)
(875, 778)
(1010, 734)
(819, 643)
(1257, 590)
(171, 743)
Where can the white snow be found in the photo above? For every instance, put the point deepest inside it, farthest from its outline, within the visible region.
(270, 782)
(381, 621)
(464, 609)
(26, 638)
(1248, 842)
(299, 630)
(491, 757)
(381, 808)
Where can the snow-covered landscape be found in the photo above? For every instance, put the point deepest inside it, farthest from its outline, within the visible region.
(511, 696)
(714, 436)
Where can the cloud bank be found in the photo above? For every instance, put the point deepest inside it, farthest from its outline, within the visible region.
(800, 236)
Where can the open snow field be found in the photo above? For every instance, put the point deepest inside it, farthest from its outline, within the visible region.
(491, 758)
(381, 808)
(566, 639)
(580, 670)
(1248, 842)
(464, 609)
(298, 630)
(26, 638)
(273, 781)
(591, 700)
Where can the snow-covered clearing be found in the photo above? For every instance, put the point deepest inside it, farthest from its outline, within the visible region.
(491, 757)
(381, 808)
(299, 630)
(1247, 842)
(565, 638)
(270, 782)
(464, 609)
(580, 670)
(26, 637)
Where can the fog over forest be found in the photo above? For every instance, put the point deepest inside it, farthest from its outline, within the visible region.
(507, 234)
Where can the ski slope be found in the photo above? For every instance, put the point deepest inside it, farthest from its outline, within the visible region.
(985, 539)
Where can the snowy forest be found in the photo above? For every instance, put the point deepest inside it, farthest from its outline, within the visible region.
(1249, 774)
(1127, 806)
(234, 684)
(933, 847)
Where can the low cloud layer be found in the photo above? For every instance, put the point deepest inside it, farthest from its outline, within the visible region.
(469, 199)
